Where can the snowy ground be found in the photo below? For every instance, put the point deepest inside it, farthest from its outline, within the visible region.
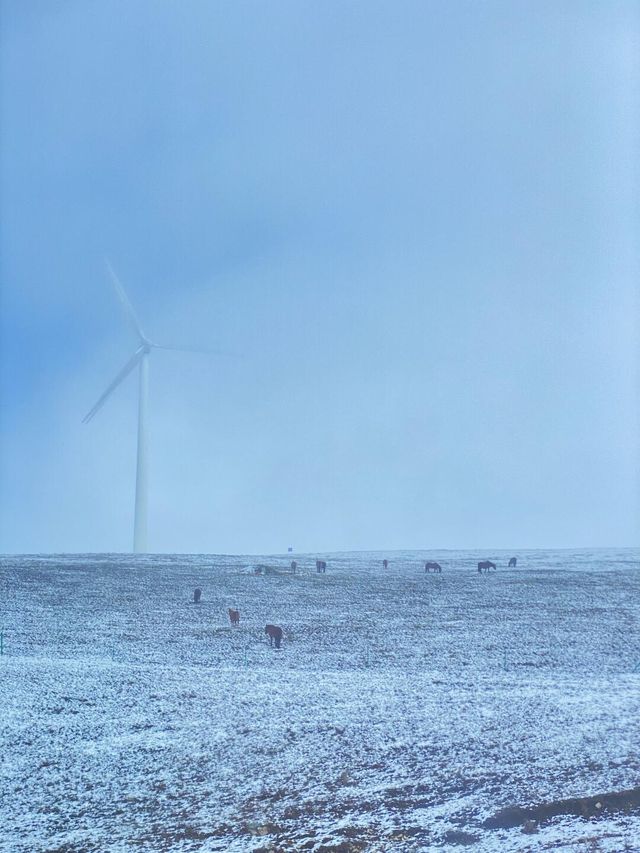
(403, 710)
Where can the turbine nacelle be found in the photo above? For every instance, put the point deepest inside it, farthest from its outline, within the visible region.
(145, 345)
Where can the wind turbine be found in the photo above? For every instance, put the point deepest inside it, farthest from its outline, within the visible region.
(139, 359)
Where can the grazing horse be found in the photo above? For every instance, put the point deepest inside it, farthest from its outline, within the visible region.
(234, 616)
(385, 564)
(432, 567)
(321, 566)
(196, 596)
(512, 563)
(275, 634)
(485, 566)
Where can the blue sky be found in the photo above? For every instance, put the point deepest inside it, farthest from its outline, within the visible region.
(415, 223)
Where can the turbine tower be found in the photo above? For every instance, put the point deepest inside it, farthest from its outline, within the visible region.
(139, 359)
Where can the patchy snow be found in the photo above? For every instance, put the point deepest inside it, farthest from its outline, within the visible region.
(402, 711)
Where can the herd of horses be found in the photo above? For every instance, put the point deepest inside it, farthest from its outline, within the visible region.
(429, 566)
(274, 632)
(483, 566)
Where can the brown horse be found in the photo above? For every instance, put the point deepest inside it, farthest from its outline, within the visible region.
(385, 564)
(275, 634)
(294, 566)
(485, 566)
(432, 567)
(512, 563)
(234, 616)
(321, 566)
(196, 596)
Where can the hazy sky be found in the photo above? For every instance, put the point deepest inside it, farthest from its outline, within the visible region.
(416, 223)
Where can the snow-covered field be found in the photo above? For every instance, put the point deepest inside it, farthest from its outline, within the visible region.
(403, 711)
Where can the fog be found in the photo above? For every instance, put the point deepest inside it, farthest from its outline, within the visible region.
(411, 228)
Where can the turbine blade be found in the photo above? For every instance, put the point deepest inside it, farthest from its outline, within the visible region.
(126, 304)
(126, 370)
(202, 350)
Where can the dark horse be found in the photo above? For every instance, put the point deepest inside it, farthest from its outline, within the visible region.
(485, 566)
(234, 616)
(321, 566)
(274, 633)
(385, 564)
(294, 566)
(512, 563)
(196, 596)
(432, 567)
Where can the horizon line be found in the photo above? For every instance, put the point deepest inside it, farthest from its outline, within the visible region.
(290, 554)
